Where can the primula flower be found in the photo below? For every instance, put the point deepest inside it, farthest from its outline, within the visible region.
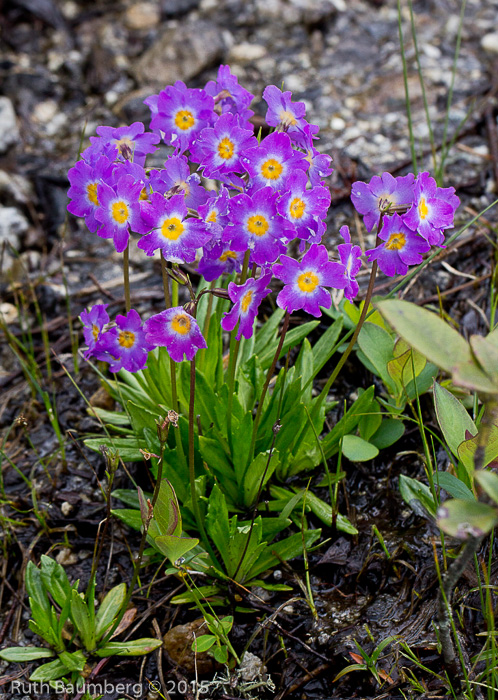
(229, 96)
(304, 208)
(271, 163)
(256, 225)
(177, 331)
(305, 281)
(175, 178)
(282, 112)
(246, 299)
(219, 260)
(372, 198)
(401, 247)
(120, 210)
(131, 141)
(177, 236)
(350, 256)
(93, 322)
(181, 114)
(85, 179)
(215, 213)
(127, 343)
(433, 209)
(218, 150)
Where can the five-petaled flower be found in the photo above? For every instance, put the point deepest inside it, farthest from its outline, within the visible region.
(246, 300)
(400, 247)
(177, 331)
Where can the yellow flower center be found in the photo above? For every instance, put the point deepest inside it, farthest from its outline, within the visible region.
(257, 225)
(384, 201)
(143, 194)
(271, 169)
(423, 209)
(228, 254)
(126, 339)
(91, 191)
(172, 228)
(297, 208)
(181, 323)
(308, 281)
(246, 301)
(95, 332)
(184, 119)
(212, 217)
(396, 241)
(287, 118)
(125, 146)
(226, 148)
(120, 212)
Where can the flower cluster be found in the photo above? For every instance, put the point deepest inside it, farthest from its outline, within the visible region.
(270, 193)
(411, 215)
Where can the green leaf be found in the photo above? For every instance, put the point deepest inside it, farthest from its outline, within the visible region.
(426, 332)
(489, 482)
(467, 449)
(129, 516)
(452, 417)
(220, 654)
(358, 450)
(203, 643)
(348, 422)
(167, 510)
(135, 647)
(128, 448)
(175, 547)
(217, 523)
(21, 654)
(469, 375)
(284, 550)
(323, 348)
(292, 338)
(349, 669)
(389, 432)
(109, 608)
(466, 518)
(486, 352)
(265, 337)
(417, 495)
(82, 621)
(35, 590)
(324, 511)
(55, 580)
(73, 661)
(129, 496)
(453, 486)
(377, 345)
(216, 458)
(254, 475)
(370, 422)
(49, 672)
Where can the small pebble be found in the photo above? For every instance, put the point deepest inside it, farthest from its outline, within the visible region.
(143, 15)
(66, 557)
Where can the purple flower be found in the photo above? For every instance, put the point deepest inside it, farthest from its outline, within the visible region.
(257, 226)
(229, 96)
(120, 210)
(218, 150)
(219, 260)
(85, 179)
(177, 331)
(304, 208)
(401, 247)
(93, 322)
(350, 256)
(282, 111)
(131, 141)
(127, 343)
(433, 209)
(215, 213)
(98, 149)
(273, 161)
(181, 114)
(175, 178)
(177, 236)
(246, 300)
(305, 281)
(369, 200)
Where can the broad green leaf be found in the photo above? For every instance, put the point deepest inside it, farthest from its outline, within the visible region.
(452, 485)
(82, 622)
(49, 672)
(54, 579)
(417, 494)
(426, 332)
(203, 643)
(21, 654)
(130, 516)
(128, 448)
(466, 518)
(167, 510)
(220, 654)
(258, 473)
(469, 375)
(453, 418)
(467, 449)
(74, 661)
(35, 588)
(487, 354)
(377, 345)
(217, 523)
(111, 418)
(358, 450)
(389, 432)
(370, 422)
(216, 458)
(175, 547)
(489, 482)
(129, 496)
(109, 608)
(324, 511)
(135, 647)
(348, 422)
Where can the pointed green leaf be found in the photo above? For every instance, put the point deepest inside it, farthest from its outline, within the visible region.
(467, 449)
(417, 495)
(136, 647)
(203, 643)
(82, 621)
(466, 518)
(74, 661)
(453, 486)
(109, 608)
(489, 482)
(21, 654)
(453, 418)
(49, 672)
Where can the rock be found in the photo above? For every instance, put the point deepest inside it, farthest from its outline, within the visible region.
(178, 646)
(246, 52)
(9, 132)
(15, 188)
(489, 43)
(12, 225)
(8, 313)
(180, 53)
(251, 667)
(66, 557)
(66, 508)
(102, 399)
(142, 15)
(173, 8)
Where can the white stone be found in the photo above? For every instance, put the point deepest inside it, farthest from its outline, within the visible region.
(142, 15)
(489, 42)
(337, 124)
(45, 111)
(245, 52)
(9, 132)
